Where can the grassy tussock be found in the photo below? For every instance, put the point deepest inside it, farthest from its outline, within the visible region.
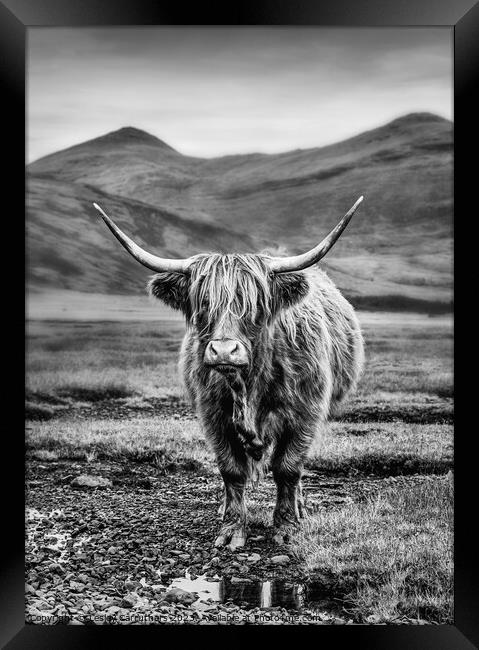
(379, 449)
(168, 444)
(390, 557)
(382, 448)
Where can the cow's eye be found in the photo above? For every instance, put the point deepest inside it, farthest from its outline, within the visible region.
(201, 318)
(259, 316)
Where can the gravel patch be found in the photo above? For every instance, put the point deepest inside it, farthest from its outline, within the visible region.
(113, 553)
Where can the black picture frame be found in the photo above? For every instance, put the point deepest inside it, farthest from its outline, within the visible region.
(460, 15)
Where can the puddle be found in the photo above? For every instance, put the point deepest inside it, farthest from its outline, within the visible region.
(249, 593)
(39, 540)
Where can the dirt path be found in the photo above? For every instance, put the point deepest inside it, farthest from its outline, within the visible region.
(112, 555)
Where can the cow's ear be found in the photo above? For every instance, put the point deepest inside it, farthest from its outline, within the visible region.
(288, 289)
(172, 288)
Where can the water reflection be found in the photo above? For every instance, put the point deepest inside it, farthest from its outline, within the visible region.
(268, 593)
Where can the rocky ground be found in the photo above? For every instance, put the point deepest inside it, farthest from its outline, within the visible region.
(117, 543)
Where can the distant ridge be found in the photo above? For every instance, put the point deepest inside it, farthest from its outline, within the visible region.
(133, 135)
(129, 134)
(124, 136)
(414, 118)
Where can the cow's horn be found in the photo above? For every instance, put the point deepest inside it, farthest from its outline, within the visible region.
(298, 262)
(152, 262)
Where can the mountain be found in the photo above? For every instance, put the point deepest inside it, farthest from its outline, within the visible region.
(396, 251)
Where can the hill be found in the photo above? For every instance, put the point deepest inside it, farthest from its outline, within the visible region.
(396, 251)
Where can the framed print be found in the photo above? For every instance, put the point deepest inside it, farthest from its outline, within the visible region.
(240, 321)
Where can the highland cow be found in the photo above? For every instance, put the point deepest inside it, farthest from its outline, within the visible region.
(271, 348)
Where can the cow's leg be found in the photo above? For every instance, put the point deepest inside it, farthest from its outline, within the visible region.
(232, 463)
(287, 466)
(288, 510)
(222, 506)
(233, 529)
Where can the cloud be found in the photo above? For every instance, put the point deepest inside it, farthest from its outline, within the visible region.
(211, 91)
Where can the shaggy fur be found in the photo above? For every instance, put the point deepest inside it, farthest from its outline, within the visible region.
(305, 352)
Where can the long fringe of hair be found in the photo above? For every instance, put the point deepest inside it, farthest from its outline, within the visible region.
(229, 285)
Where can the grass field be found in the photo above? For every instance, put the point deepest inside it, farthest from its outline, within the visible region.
(102, 391)
(409, 363)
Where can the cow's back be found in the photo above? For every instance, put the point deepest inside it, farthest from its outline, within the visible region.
(324, 335)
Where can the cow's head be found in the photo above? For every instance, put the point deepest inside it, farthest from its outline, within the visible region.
(230, 300)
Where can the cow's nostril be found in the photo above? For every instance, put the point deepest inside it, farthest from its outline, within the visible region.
(225, 352)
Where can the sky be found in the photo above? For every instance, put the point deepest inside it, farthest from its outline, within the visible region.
(217, 91)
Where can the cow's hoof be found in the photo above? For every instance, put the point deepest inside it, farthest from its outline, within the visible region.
(220, 541)
(233, 538)
(280, 539)
(282, 535)
(238, 540)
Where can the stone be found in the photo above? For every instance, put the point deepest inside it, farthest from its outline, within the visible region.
(42, 605)
(83, 577)
(90, 481)
(179, 596)
(129, 600)
(254, 557)
(280, 560)
(201, 606)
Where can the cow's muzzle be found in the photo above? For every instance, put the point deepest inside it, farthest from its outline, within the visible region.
(226, 355)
